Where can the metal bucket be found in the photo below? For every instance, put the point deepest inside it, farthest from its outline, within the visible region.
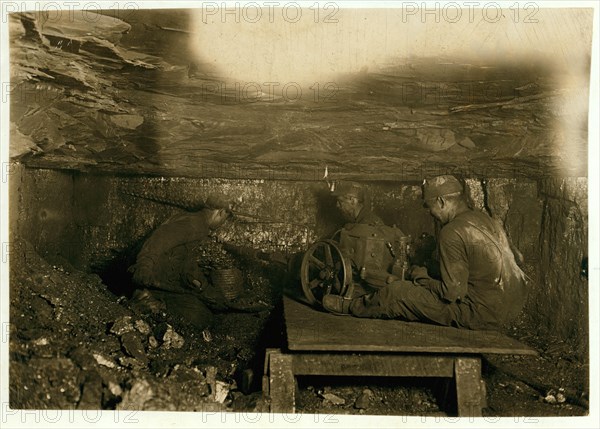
(230, 280)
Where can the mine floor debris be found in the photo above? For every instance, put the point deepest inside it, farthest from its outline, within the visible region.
(75, 345)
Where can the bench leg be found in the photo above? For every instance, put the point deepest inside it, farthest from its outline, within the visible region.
(265, 378)
(470, 388)
(281, 382)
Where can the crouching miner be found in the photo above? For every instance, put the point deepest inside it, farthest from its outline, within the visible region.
(481, 285)
(168, 278)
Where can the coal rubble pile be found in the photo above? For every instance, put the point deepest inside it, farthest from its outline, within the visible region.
(75, 345)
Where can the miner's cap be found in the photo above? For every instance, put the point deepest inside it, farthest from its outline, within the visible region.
(441, 185)
(348, 189)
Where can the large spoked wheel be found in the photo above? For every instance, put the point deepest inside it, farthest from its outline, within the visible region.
(324, 270)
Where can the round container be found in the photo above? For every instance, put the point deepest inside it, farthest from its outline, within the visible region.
(230, 280)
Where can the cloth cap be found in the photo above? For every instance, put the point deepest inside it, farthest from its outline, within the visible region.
(218, 202)
(441, 185)
(349, 189)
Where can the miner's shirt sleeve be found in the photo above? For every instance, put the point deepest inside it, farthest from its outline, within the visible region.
(454, 266)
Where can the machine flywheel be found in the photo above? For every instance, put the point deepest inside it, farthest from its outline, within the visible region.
(324, 271)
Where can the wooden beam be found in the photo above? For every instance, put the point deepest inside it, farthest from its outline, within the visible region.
(383, 365)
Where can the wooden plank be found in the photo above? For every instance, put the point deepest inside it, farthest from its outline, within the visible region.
(265, 378)
(470, 389)
(282, 388)
(312, 330)
(373, 365)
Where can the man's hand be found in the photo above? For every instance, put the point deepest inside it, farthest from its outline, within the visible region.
(143, 273)
(419, 275)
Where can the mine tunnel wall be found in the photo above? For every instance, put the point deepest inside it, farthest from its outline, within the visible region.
(90, 220)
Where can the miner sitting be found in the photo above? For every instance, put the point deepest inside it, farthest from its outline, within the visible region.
(354, 203)
(169, 279)
(481, 285)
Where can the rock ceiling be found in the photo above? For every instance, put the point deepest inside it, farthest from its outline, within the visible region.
(124, 97)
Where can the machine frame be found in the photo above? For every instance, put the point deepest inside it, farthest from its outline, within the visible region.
(366, 256)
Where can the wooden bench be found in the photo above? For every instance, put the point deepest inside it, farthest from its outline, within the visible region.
(319, 343)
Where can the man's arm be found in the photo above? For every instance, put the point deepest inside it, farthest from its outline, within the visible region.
(454, 267)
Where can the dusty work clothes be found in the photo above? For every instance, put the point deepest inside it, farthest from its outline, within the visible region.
(180, 229)
(166, 268)
(367, 217)
(481, 287)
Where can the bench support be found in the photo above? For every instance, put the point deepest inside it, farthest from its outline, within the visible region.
(279, 382)
(470, 388)
(281, 369)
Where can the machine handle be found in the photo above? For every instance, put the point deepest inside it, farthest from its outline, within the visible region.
(391, 249)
